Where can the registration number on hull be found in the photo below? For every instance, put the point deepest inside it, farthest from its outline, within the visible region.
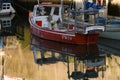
(66, 37)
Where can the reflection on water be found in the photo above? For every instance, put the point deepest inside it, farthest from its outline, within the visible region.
(110, 46)
(85, 59)
(7, 31)
(9, 26)
(10, 32)
(6, 25)
(32, 58)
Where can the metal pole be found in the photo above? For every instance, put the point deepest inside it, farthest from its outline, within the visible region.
(34, 55)
(38, 1)
(68, 67)
(62, 11)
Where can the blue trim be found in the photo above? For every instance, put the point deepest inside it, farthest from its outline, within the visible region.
(100, 20)
(115, 23)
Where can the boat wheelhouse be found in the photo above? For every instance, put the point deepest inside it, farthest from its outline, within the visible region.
(65, 24)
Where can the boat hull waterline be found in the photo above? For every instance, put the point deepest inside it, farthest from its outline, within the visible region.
(64, 36)
(82, 50)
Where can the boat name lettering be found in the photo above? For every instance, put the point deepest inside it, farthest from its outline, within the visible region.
(66, 37)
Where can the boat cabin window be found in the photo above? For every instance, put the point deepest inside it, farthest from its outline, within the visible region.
(43, 11)
(47, 10)
(39, 11)
(56, 11)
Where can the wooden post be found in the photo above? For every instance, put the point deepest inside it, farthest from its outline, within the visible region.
(2, 68)
(2, 76)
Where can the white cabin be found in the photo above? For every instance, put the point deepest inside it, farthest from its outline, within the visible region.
(44, 15)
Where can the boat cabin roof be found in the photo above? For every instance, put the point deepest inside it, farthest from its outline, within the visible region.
(53, 5)
(46, 9)
(49, 4)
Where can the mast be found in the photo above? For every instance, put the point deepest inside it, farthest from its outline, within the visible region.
(78, 4)
(61, 10)
(38, 1)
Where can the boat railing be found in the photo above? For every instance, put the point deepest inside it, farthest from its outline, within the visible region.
(84, 27)
(81, 11)
(113, 18)
(89, 28)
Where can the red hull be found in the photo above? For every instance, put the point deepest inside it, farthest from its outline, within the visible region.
(64, 37)
(82, 50)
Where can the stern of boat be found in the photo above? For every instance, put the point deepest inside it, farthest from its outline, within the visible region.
(92, 38)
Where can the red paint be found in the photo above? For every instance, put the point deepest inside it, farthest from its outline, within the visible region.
(39, 23)
(61, 36)
(81, 50)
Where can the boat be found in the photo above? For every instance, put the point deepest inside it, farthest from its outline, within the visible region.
(61, 23)
(109, 46)
(6, 7)
(111, 35)
(112, 31)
